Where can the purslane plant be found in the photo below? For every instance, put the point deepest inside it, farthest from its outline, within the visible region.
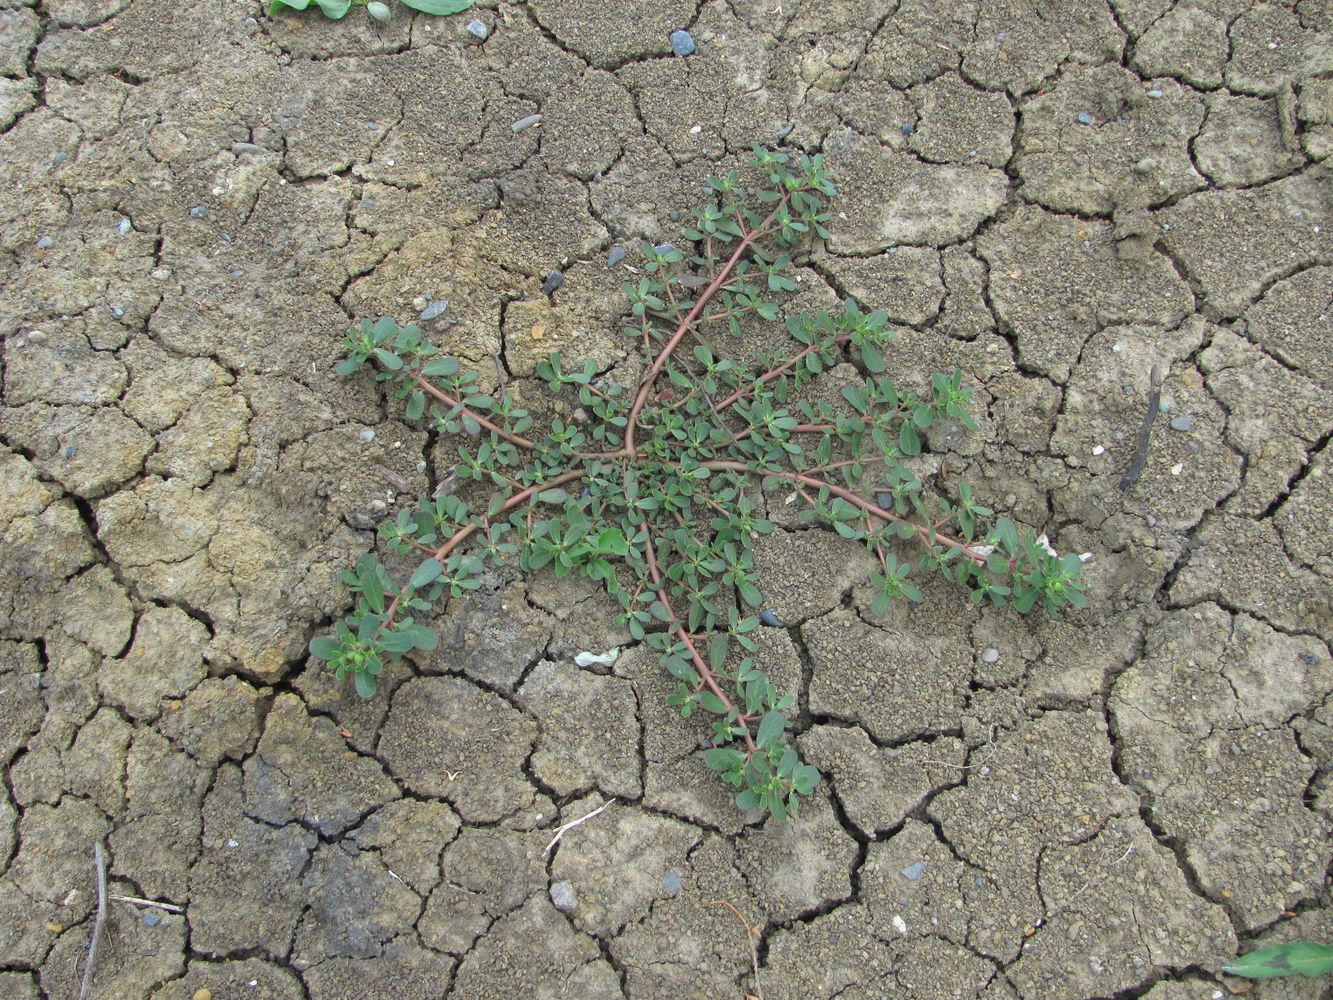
(656, 491)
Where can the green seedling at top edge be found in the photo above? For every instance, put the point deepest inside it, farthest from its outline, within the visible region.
(1292, 958)
(335, 10)
(657, 491)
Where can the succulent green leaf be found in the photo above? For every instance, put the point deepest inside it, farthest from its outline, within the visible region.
(439, 6)
(1292, 958)
(427, 573)
(771, 727)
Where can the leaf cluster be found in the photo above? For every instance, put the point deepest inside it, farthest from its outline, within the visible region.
(657, 491)
(335, 10)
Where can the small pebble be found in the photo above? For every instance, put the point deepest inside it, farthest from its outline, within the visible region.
(1193, 447)
(198, 212)
(421, 465)
(564, 897)
(673, 215)
(663, 249)
(1309, 659)
(152, 918)
(434, 309)
(366, 436)
(616, 255)
(44, 242)
(59, 158)
(770, 618)
(523, 124)
(373, 126)
(785, 131)
(682, 42)
(379, 11)
(906, 128)
(117, 312)
(1154, 93)
(671, 881)
(233, 844)
(203, 994)
(1099, 450)
(1083, 118)
(553, 281)
(478, 30)
(36, 337)
(1177, 469)
(990, 655)
(1182, 423)
(71, 451)
(914, 871)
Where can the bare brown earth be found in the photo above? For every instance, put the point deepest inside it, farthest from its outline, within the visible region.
(1056, 197)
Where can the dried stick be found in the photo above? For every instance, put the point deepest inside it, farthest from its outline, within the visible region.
(1141, 452)
(750, 934)
(569, 826)
(169, 907)
(100, 863)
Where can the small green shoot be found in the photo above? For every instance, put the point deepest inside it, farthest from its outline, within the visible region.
(1292, 958)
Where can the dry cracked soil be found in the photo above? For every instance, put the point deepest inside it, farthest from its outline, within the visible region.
(1057, 198)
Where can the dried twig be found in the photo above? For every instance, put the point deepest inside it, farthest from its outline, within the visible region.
(1141, 451)
(169, 907)
(751, 933)
(569, 826)
(100, 863)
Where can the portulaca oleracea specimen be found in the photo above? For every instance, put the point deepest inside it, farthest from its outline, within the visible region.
(658, 493)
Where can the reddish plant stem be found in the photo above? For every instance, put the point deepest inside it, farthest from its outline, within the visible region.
(773, 373)
(927, 533)
(720, 279)
(705, 672)
(463, 533)
(430, 388)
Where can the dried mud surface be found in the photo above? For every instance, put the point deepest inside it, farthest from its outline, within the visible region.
(1055, 197)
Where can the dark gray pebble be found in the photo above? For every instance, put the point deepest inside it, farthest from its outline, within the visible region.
(770, 618)
(478, 30)
(553, 281)
(663, 249)
(682, 42)
(198, 212)
(152, 918)
(907, 128)
(523, 124)
(616, 255)
(673, 215)
(1182, 423)
(71, 451)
